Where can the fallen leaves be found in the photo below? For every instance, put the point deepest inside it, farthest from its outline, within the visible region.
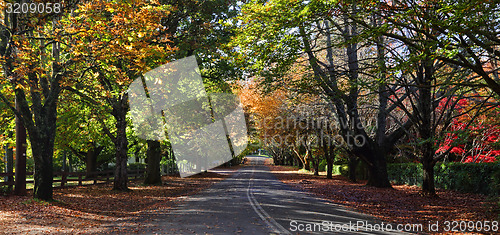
(402, 204)
(97, 209)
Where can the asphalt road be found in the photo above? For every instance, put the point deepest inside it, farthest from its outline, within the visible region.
(253, 201)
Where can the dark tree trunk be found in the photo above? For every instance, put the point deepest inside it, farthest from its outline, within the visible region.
(428, 188)
(20, 184)
(329, 168)
(329, 160)
(153, 175)
(91, 160)
(42, 146)
(316, 166)
(428, 163)
(43, 174)
(424, 77)
(121, 144)
(41, 126)
(377, 172)
(42, 131)
(352, 167)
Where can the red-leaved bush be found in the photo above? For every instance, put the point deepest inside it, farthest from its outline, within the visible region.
(477, 142)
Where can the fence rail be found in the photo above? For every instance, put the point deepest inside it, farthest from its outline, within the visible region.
(80, 177)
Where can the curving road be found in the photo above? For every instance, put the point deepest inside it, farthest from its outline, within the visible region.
(253, 201)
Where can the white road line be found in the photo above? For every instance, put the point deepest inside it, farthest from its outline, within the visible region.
(271, 223)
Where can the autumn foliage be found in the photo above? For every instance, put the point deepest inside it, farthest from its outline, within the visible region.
(473, 137)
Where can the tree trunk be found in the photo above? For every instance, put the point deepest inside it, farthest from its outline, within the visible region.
(91, 161)
(352, 167)
(329, 168)
(20, 183)
(42, 131)
(43, 174)
(329, 160)
(425, 105)
(153, 175)
(42, 147)
(307, 158)
(377, 172)
(315, 163)
(121, 143)
(428, 188)
(42, 134)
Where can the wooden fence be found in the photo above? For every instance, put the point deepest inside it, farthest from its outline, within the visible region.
(83, 178)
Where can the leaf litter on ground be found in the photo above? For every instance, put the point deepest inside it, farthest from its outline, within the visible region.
(402, 204)
(98, 209)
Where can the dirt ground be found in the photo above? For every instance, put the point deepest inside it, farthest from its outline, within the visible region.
(403, 204)
(96, 208)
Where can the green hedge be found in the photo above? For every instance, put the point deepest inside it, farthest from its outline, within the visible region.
(481, 178)
(136, 165)
(361, 170)
(405, 173)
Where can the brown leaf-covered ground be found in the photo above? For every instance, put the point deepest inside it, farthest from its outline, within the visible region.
(95, 208)
(403, 204)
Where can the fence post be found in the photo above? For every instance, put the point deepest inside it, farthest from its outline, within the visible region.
(79, 179)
